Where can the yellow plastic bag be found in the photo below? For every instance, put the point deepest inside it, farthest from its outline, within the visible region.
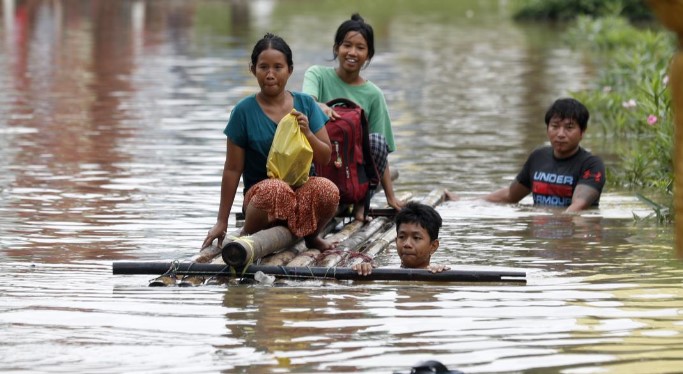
(290, 155)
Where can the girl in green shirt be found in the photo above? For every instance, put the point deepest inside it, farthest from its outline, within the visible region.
(354, 47)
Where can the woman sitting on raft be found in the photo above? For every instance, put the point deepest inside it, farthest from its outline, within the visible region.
(268, 202)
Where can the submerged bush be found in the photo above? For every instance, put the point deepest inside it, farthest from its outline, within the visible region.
(630, 101)
(566, 10)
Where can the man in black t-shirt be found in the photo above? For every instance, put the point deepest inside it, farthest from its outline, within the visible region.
(562, 174)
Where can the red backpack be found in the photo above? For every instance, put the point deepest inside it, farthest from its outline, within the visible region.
(351, 166)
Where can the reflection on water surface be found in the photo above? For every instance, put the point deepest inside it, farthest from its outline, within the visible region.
(112, 149)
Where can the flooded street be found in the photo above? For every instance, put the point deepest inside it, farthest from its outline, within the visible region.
(111, 149)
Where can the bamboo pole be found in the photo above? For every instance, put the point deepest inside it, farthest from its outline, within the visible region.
(306, 258)
(286, 255)
(334, 257)
(393, 274)
(378, 245)
(362, 254)
(244, 250)
(670, 12)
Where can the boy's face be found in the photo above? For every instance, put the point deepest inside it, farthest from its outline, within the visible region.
(414, 246)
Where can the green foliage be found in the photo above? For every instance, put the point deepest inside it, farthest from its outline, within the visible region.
(566, 10)
(630, 100)
(659, 213)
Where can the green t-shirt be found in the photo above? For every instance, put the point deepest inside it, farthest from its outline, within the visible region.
(323, 83)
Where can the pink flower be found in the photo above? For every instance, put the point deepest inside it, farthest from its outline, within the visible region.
(629, 104)
(651, 119)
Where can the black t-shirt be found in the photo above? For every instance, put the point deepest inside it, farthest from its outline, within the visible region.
(552, 180)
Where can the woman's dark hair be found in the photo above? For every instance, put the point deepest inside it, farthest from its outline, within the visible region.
(275, 42)
(357, 24)
(568, 108)
(422, 215)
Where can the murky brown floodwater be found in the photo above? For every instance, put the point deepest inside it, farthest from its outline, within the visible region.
(111, 148)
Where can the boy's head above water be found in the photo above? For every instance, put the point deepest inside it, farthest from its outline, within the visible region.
(417, 234)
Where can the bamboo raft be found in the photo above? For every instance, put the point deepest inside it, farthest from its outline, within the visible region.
(276, 252)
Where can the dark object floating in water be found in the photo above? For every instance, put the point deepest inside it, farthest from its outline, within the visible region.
(431, 366)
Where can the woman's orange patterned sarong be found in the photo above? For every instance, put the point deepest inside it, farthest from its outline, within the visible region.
(301, 207)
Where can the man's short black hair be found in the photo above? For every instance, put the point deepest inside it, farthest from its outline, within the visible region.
(568, 108)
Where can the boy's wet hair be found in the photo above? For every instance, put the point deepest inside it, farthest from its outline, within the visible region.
(568, 108)
(421, 214)
(357, 24)
(272, 41)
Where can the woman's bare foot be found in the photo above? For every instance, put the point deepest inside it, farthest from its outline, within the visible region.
(316, 242)
(359, 212)
(450, 195)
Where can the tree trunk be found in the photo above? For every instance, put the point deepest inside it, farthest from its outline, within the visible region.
(670, 12)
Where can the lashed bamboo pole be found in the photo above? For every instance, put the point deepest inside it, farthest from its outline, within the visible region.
(361, 254)
(122, 268)
(353, 242)
(378, 245)
(244, 250)
(283, 257)
(306, 258)
(670, 12)
(253, 247)
(205, 255)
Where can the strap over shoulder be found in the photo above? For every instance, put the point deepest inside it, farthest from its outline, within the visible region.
(343, 102)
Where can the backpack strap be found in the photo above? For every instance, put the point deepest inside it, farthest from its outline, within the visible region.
(369, 163)
(370, 167)
(343, 102)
